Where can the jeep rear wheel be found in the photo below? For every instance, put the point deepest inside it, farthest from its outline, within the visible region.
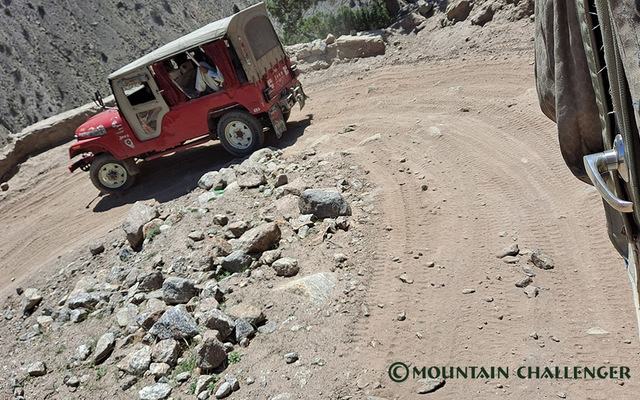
(110, 175)
(240, 133)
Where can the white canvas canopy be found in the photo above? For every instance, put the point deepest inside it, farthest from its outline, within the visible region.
(208, 33)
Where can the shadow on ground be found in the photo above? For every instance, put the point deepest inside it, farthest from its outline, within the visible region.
(167, 178)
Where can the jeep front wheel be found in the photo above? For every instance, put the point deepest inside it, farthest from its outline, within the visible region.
(240, 133)
(110, 175)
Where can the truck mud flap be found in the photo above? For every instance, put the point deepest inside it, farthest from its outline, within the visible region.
(277, 120)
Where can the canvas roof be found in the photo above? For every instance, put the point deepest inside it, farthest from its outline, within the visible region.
(213, 31)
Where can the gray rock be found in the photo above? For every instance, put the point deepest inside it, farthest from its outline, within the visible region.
(528, 271)
(511, 250)
(166, 351)
(158, 370)
(283, 396)
(137, 362)
(158, 391)
(32, 298)
(206, 199)
(148, 319)
(212, 289)
(429, 385)
(318, 288)
(203, 382)
(238, 228)
(216, 319)
(128, 381)
(196, 236)
(243, 330)
(37, 369)
(281, 179)
(285, 267)
(104, 347)
(290, 358)
(524, 282)
(248, 312)
(83, 300)
(78, 315)
(468, 291)
(210, 353)
(139, 215)
(268, 328)
(323, 203)
(176, 323)
(150, 282)
(211, 180)
(483, 15)
(237, 261)
(531, 291)
(204, 395)
(4, 186)
(177, 290)
(96, 248)
(249, 174)
(82, 352)
(233, 381)
(71, 381)
(183, 376)
(259, 239)
(220, 219)
(541, 260)
(223, 391)
(269, 256)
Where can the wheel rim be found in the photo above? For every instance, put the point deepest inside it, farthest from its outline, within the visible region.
(238, 134)
(112, 175)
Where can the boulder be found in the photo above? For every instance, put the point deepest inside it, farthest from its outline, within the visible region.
(218, 320)
(249, 174)
(243, 330)
(247, 312)
(323, 203)
(176, 323)
(259, 239)
(236, 261)
(83, 300)
(104, 347)
(458, 10)
(285, 266)
(166, 351)
(136, 362)
(210, 353)
(158, 391)
(238, 228)
(178, 290)
(31, 299)
(359, 46)
(139, 215)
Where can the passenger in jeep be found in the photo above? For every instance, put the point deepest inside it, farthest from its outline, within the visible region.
(207, 77)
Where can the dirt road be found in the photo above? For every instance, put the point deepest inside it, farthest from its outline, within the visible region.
(466, 165)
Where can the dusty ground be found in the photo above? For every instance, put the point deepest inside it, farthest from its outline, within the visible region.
(462, 119)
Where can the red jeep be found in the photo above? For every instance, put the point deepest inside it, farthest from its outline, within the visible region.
(228, 80)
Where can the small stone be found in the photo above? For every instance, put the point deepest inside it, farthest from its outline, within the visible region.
(196, 236)
(158, 391)
(510, 259)
(429, 385)
(468, 291)
(541, 260)
(291, 357)
(286, 267)
(533, 335)
(365, 310)
(37, 369)
(405, 279)
(531, 291)
(183, 377)
(488, 299)
(402, 316)
(562, 395)
(31, 299)
(128, 381)
(4, 186)
(251, 380)
(511, 250)
(528, 271)
(96, 248)
(223, 391)
(524, 282)
(104, 347)
(79, 315)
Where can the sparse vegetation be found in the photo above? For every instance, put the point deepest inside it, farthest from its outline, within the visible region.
(187, 365)
(212, 386)
(153, 233)
(374, 16)
(192, 387)
(101, 372)
(234, 357)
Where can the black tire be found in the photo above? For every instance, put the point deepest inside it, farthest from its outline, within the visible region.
(110, 175)
(240, 133)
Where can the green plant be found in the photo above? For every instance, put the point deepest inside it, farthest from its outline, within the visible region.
(192, 387)
(102, 371)
(234, 357)
(187, 365)
(212, 386)
(152, 233)
(223, 274)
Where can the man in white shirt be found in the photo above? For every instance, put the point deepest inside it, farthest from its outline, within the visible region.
(207, 76)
